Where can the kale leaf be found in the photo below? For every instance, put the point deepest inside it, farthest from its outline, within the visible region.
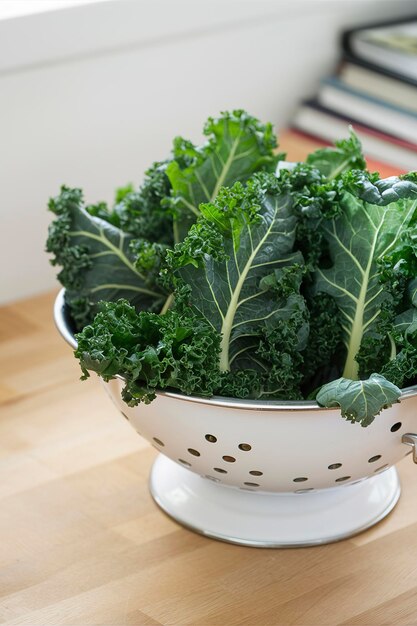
(123, 247)
(150, 351)
(141, 214)
(244, 278)
(96, 259)
(377, 215)
(238, 145)
(359, 400)
(344, 156)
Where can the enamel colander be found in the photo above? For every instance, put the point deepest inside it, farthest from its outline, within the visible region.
(265, 473)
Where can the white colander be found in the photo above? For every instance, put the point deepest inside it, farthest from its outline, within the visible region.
(269, 473)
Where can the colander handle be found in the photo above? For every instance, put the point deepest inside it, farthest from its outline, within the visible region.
(411, 440)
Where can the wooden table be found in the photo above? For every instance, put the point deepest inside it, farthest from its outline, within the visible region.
(82, 542)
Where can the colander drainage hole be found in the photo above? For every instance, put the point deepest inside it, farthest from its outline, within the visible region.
(304, 490)
(300, 479)
(245, 447)
(252, 484)
(211, 438)
(395, 427)
(193, 452)
(228, 459)
(256, 473)
(186, 463)
(342, 478)
(374, 458)
(220, 470)
(334, 466)
(158, 441)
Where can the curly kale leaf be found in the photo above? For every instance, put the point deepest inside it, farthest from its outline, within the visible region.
(378, 215)
(96, 260)
(150, 351)
(316, 186)
(238, 145)
(344, 156)
(401, 368)
(144, 222)
(314, 199)
(321, 355)
(371, 189)
(142, 214)
(375, 217)
(244, 278)
(359, 400)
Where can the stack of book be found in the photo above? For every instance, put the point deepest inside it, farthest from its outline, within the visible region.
(375, 91)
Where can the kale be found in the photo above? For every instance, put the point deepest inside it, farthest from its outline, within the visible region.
(368, 287)
(109, 253)
(237, 146)
(141, 213)
(221, 277)
(150, 351)
(96, 259)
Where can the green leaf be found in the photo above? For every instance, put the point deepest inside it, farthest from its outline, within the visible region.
(359, 400)
(380, 191)
(150, 351)
(401, 369)
(97, 263)
(250, 295)
(238, 145)
(140, 213)
(346, 155)
(405, 321)
(122, 192)
(323, 346)
(358, 242)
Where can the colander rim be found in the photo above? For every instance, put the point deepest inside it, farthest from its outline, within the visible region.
(62, 322)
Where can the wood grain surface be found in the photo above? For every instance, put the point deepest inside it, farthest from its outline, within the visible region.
(81, 541)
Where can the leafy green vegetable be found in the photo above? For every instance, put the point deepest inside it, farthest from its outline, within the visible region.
(238, 145)
(359, 400)
(141, 213)
(96, 259)
(373, 222)
(245, 278)
(145, 222)
(401, 369)
(320, 358)
(315, 191)
(377, 216)
(346, 155)
(228, 279)
(150, 351)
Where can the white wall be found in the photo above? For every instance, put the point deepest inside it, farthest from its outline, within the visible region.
(91, 95)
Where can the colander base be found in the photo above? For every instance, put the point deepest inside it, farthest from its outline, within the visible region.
(271, 520)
